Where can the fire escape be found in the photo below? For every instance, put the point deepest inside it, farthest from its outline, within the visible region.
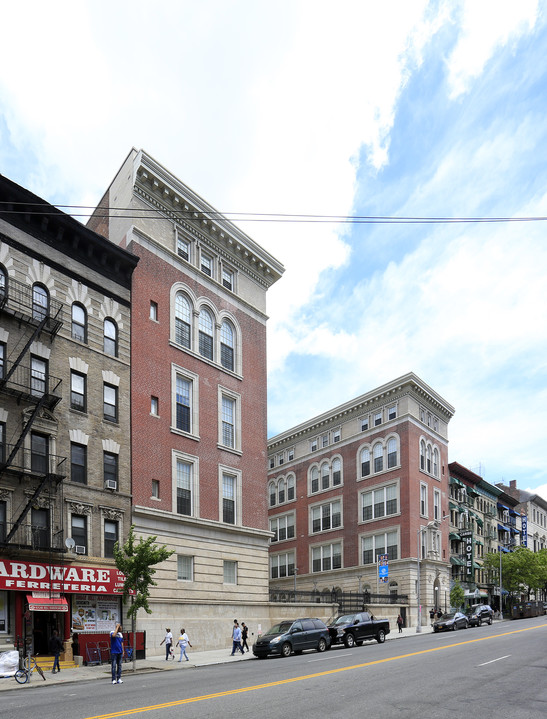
(31, 386)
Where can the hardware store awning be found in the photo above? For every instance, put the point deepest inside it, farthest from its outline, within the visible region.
(47, 604)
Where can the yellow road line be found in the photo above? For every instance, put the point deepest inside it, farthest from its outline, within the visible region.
(241, 690)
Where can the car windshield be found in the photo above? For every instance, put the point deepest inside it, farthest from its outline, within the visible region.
(446, 616)
(281, 628)
(345, 619)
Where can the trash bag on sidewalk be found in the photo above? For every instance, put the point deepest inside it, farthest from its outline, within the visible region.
(9, 663)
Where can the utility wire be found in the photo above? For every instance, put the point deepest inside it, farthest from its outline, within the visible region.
(214, 216)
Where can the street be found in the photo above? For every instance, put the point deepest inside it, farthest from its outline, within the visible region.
(492, 671)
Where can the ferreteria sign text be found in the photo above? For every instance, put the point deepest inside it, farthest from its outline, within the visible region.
(32, 576)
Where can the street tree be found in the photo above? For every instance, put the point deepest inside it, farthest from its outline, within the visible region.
(136, 560)
(457, 596)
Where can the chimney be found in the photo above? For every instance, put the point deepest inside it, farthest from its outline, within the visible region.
(513, 484)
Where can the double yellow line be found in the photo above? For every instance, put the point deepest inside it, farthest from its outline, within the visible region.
(255, 687)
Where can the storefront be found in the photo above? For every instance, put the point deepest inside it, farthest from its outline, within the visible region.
(36, 598)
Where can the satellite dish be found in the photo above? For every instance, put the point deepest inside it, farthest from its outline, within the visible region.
(70, 543)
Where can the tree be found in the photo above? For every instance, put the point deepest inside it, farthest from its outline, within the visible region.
(136, 560)
(457, 595)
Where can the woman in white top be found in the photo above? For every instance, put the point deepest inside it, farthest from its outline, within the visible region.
(183, 642)
(168, 639)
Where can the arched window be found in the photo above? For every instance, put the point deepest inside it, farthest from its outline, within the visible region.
(183, 321)
(422, 454)
(206, 334)
(336, 472)
(281, 491)
(365, 462)
(40, 302)
(315, 479)
(428, 458)
(391, 453)
(325, 476)
(272, 494)
(79, 322)
(110, 337)
(290, 487)
(378, 454)
(435, 462)
(227, 345)
(3, 282)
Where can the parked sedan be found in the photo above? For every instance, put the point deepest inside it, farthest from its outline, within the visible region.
(478, 614)
(453, 621)
(293, 636)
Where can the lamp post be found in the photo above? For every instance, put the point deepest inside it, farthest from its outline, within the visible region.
(501, 606)
(359, 577)
(295, 573)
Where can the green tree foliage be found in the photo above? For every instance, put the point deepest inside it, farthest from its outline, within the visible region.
(136, 559)
(457, 595)
(523, 571)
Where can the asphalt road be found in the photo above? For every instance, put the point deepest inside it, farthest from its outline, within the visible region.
(492, 671)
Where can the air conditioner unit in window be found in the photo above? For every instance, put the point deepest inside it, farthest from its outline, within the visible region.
(80, 549)
(110, 484)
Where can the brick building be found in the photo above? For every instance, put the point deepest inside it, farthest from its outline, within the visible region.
(65, 484)
(198, 378)
(365, 479)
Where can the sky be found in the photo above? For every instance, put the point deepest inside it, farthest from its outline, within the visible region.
(406, 109)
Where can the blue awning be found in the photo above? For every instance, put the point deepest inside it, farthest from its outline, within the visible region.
(504, 549)
(503, 506)
(513, 513)
(503, 527)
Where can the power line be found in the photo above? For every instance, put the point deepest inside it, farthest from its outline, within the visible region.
(214, 216)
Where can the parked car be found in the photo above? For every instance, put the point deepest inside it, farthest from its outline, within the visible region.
(293, 636)
(350, 629)
(452, 620)
(479, 613)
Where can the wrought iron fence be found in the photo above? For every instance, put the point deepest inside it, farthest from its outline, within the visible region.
(347, 601)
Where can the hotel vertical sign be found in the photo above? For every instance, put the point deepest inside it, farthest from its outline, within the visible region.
(467, 539)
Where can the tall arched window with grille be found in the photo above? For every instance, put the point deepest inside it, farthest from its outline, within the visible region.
(378, 453)
(336, 472)
(40, 302)
(435, 462)
(110, 337)
(325, 476)
(315, 479)
(79, 322)
(365, 462)
(227, 345)
(183, 321)
(422, 454)
(391, 452)
(205, 334)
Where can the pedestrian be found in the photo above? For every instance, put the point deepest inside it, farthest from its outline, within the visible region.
(400, 623)
(55, 647)
(116, 654)
(236, 638)
(183, 642)
(244, 634)
(168, 639)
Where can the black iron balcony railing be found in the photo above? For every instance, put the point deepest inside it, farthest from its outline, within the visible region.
(25, 461)
(18, 300)
(32, 536)
(30, 385)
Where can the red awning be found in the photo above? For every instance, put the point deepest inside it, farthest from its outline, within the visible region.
(47, 604)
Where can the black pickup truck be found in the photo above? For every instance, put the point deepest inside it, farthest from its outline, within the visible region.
(351, 629)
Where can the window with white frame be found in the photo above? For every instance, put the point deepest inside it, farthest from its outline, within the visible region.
(183, 404)
(230, 572)
(282, 565)
(422, 454)
(377, 544)
(183, 321)
(185, 483)
(435, 462)
(423, 500)
(272, 494)
(290, 454)
(392, 411)
(326, 516)
(378, 503)
(313, 444)
(378, 456)
(228, 278)
(326, 557)
(365, 462)
(153, 311)
(336, 433)
(336, 468)
(325, 440)
(229, 419)
(377, 418)
(291, 487)
(364, 423)
(185, 568)
(281, 458)
(183, 248)
(281, 491)
(282, 527)
(314, 479)
(79, 322)
(229, 496)
(436, 505)
(227, 345)
(391, 452)
(325, 475)
(206, 341)
(328, 475)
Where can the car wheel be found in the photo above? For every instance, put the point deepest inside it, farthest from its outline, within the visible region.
(454, 627)
(479, 622)
(322, 645)
(381, 636)
(349, 640)
(286, 650)
(490, 621)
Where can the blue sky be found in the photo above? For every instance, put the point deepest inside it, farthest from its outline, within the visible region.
(408, 108)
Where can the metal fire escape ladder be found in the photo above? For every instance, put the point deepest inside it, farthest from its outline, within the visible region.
(25, 349)
(26, 510)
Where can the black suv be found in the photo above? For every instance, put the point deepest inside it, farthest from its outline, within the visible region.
(293, 636)
(479, 613)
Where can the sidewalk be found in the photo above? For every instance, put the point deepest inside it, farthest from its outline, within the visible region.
(155, 663)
